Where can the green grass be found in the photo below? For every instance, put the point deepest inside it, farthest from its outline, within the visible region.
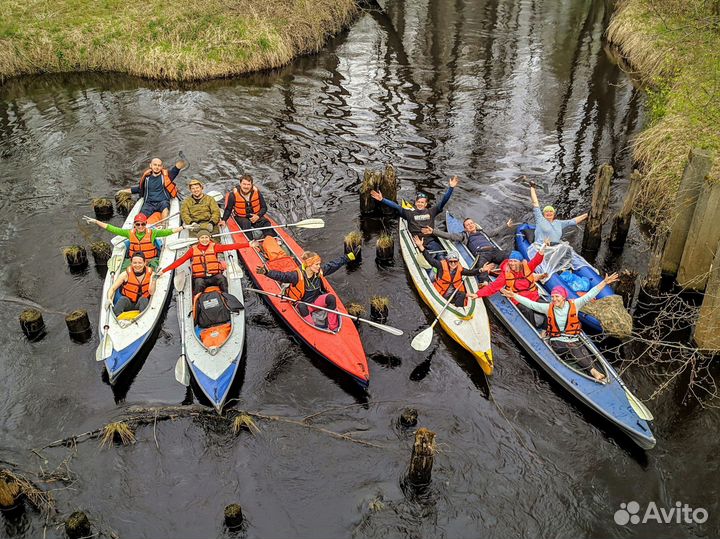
(673, 45)
(175, 39)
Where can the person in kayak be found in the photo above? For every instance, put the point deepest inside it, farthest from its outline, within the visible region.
(475, 239)
(308, 284)
(421, 215)
(517, 274)
(450, 274)
(199, 208)
(141, 240)
(136, 284)
(546, 226)
(247, 206)
(564, 328)
(207, 269)
(157, 187)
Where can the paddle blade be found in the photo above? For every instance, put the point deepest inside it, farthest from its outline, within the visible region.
(105, 348)
(217, 195)
(179, 279)
(636, 404)
(386, 328)
(181, 371)
(115, 263)
(180, 244)
(310, 223)
(422, 340)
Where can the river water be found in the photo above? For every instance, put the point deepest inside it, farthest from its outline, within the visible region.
(486, 90)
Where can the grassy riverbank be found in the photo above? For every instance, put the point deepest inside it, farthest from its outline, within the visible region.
(672, 45)
(170, 39)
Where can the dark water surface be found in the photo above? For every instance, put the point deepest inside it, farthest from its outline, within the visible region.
(485, 90)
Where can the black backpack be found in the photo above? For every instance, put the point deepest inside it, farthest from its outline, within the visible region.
(212, 309)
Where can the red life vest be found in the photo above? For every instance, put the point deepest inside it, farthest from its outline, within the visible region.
(241, 205)
(443, 281)
(205, 263)
(146, 245)
(572, 327)
(526, 283)
(297, 291)
(167, 182)
(133, 288)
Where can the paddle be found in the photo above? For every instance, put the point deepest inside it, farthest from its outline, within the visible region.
(422, 340)
(383, 327)
(181, 369)
(636, 404)
(105, 348)
(307, 223)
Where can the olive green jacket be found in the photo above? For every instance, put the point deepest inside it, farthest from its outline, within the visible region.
(205, 210)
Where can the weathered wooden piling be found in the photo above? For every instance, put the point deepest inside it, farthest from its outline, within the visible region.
(76, 257)
(10, 494)
(707, 328)
(385, 249)
(625, 287)
(103, 208)
(32, 324)
(691, 185)
(77, 525)
(352, 243)
(621, 221)
(124, 202)
(601, 197)
(423, 453)
(651, 282)
(233, 516)
(702, 240)
(409, 417)
(101, 251)
(379, 308)
(78, 325)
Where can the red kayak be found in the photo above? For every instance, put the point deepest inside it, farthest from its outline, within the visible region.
(341, 347)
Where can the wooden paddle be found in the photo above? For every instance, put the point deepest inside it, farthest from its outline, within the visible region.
(422, 340)
(307, 223)
(182, 373)
(383, 327)
(105, 348)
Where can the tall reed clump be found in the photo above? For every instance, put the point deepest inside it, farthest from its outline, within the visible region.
(179, 40)
(671, 46)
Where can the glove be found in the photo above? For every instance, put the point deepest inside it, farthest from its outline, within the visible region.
(262, 270)
(89, 219)
(351, 257)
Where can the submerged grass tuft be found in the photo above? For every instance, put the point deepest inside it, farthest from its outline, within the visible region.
(244, 422)
(117, 431)
(379, 303)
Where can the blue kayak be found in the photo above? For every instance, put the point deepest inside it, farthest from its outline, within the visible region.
(610, 399)
(581, 268)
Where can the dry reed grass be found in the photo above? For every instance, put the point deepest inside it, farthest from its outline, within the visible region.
(672, 47)
(118, 430)
(178, 40)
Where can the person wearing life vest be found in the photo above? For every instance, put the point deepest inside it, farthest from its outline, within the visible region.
(138, 284)
(308, 284)
(157, 187)
(421, 215)
(246, 204)
(518, 275)
(564, 327)
(449, 274)
(207, 268)
(141, 240)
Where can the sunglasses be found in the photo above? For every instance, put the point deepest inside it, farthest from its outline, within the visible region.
(140, 224)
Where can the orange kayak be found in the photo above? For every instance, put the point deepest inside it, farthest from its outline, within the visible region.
(341, 347)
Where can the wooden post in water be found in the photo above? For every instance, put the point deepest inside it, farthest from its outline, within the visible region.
(702, 240)
(600, 199)
(691, 186)
(651, 283)
(621, 222)
(423, 453)
(707, 328)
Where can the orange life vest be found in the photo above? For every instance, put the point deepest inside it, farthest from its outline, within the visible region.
(146, 245)
(572, 327)
(133, 289)
(205, 263)
(443, 281)
(167, 182)
(297, 291)
(526, 283)
(241, 205)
